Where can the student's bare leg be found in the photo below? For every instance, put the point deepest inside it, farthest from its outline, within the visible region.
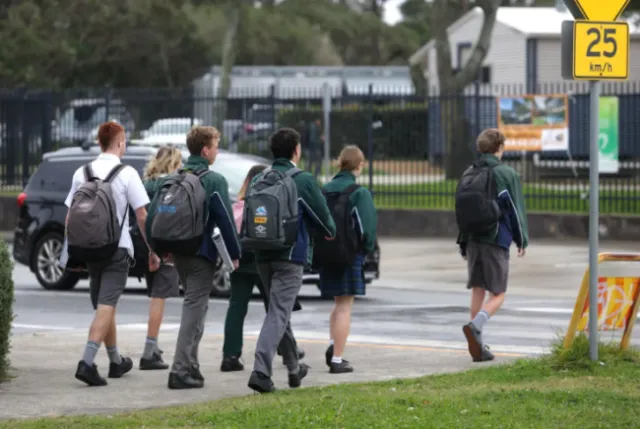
(478, 295)
(341, 325)
(494, 303)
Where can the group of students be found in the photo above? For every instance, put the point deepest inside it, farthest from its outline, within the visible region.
(282, 221)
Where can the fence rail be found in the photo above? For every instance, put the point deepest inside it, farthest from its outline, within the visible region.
(416, 144)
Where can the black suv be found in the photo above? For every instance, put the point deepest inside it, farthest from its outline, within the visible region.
(39, 234)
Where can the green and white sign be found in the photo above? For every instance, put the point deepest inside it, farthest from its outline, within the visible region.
(608, 139)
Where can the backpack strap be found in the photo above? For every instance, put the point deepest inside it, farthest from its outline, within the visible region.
(350, 189)
(114, 172)
(293, 172)
(88, 172)
(202, 172)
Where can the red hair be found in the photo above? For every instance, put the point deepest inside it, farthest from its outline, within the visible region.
(107, 133)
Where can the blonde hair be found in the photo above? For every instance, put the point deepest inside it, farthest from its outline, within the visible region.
(253, 172)
(350, 158)
(166, 161)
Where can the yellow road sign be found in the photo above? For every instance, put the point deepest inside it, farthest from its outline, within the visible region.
(596, 10)
(594, 50)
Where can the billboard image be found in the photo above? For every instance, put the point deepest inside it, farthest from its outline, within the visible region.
(534, 122)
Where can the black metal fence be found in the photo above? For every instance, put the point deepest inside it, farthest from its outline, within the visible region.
(415, 144)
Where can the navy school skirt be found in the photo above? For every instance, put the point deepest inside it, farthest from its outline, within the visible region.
(347, 282)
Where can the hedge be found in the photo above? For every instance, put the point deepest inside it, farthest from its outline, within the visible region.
(6, 307)
(399, 131)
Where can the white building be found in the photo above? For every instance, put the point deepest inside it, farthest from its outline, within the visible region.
(525, 48)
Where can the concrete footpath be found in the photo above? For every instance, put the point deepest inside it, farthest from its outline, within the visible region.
(44, 383)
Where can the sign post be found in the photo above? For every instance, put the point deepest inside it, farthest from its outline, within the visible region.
(595, 47)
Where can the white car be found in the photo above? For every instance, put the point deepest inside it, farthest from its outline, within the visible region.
(169, 131)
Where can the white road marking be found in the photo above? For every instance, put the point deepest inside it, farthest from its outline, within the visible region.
(42, 327)
(457, 345)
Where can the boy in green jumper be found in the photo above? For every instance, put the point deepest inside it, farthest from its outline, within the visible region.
(281, 271)
(487, 255)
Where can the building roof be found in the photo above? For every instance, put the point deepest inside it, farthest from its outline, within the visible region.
(529, 21)
(308, 81)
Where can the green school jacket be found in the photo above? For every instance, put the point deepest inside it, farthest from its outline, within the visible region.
(361, 201)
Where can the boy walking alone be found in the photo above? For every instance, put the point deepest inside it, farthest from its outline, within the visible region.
(491, 215)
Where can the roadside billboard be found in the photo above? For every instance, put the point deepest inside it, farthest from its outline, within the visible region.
(534, 123)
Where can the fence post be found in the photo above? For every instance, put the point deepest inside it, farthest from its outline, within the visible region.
(107, 100)
(370, 138)
(46, 121)
(272, 102)
(24, 137)
(326, 121)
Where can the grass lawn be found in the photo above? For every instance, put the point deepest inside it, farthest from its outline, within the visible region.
(10, 193)
(563, 390)
(539, 198)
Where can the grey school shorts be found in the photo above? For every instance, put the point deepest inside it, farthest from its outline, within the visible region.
(107, 279)
(164, 283)
(488, 266)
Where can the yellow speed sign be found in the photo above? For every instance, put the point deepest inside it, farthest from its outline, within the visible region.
(598, 51)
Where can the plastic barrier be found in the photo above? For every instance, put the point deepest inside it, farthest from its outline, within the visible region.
(617, 302)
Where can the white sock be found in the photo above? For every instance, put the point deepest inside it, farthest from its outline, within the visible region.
(336, 359)
(330, 342)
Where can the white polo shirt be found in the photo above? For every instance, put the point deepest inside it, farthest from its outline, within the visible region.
(127, 190)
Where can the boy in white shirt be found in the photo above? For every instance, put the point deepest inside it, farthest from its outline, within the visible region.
(108, 278)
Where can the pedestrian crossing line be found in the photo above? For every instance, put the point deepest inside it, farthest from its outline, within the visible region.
(412, 343)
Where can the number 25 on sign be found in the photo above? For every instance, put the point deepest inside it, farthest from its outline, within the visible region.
(593, 50)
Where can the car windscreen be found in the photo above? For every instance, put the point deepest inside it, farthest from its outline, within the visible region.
(54, 174)
(235, 170)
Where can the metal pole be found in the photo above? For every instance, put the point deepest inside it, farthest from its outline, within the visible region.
(326, 110)
(594, 175)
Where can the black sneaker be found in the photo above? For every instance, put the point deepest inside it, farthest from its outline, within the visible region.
(486, 355)
(153, 363)
(341, 368)
(231, 363)
(295, 380)
(195, 373)
(118, 370)
(89, 374)
(473, 340)
(183, 382)
(261, 383)
(328, 355)
(301, 353)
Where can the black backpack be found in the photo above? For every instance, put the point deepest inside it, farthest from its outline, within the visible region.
(341, 251)
(477, 209)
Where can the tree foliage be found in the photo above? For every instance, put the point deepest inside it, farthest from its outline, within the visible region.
(167, 43)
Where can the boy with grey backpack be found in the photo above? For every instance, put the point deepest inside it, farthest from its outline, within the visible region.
(97, 230)
(182, 216)
(282, 207)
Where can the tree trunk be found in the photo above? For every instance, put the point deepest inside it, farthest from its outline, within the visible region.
(455, 126)
(456, 132)
(232, 14)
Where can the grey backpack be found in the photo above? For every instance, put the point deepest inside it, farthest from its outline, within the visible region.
(93, 229)
(179, 213)
(270, 219)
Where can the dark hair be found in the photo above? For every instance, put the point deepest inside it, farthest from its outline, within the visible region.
(490, 140)
(107, 133)
(253, 172)
(201, 137)
(284, 143)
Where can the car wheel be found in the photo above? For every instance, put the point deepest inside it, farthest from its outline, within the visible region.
(221, 284)
(46, 264)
